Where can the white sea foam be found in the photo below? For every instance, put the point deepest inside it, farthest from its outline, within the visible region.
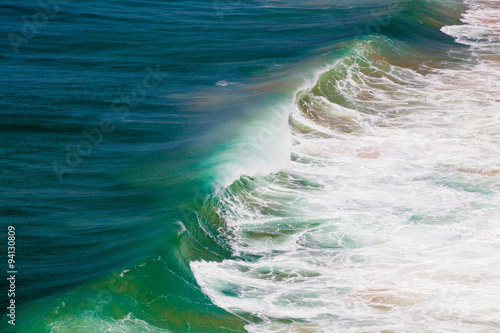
(392, 225)
(225, 83)
(93, 324)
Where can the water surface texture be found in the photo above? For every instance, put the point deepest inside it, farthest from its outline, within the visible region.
(252, 166)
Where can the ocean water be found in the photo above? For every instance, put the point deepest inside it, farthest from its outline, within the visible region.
(251, 166)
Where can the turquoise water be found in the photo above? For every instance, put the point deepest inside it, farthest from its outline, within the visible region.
(260, 166)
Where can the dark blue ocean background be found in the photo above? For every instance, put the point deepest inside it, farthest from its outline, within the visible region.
(110, 114)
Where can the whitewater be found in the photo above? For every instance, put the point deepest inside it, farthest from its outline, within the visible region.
(387, 216)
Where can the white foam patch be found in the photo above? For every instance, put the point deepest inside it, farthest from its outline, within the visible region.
(224, 83)
(128, 324)
(481, 28)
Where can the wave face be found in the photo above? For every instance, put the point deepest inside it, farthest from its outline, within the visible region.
(299, 167)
